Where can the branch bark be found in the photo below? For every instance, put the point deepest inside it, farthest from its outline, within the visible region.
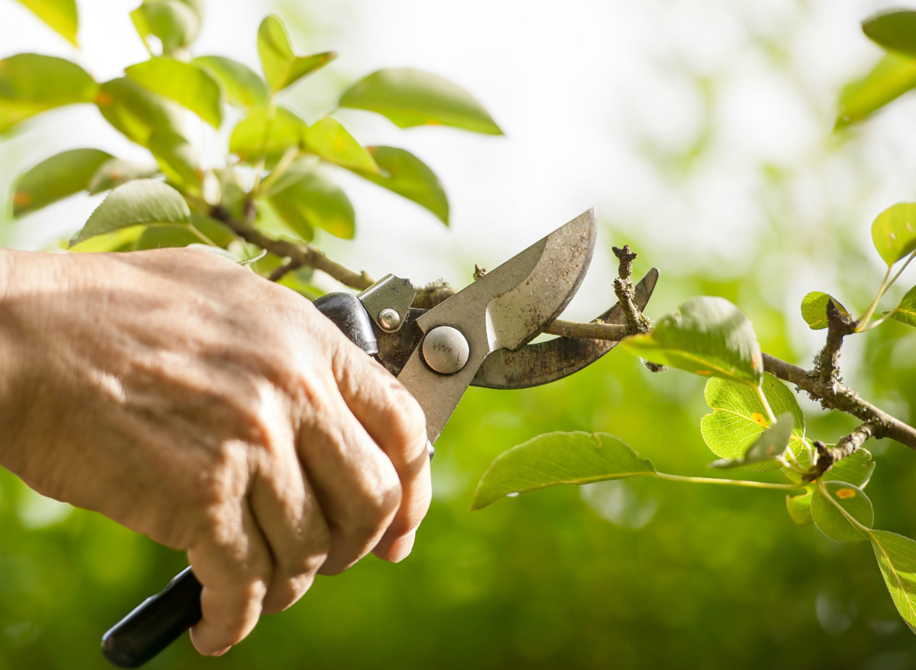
(827, 456)
(623, 288)
(839, 397)
(302, 254)
(827, 362)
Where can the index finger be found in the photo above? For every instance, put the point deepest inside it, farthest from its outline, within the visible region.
(396, 422)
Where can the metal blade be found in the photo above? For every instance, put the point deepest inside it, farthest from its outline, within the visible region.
(549, 361)
(505, 308)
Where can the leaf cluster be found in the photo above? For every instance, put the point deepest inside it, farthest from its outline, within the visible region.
(278, 170)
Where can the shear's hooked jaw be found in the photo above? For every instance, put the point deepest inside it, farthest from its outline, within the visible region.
(505, 308)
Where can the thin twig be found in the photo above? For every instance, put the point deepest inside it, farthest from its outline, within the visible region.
(283, 270)
(305, 255)
(822, 384)
(827, 362)
(827, 456)
(590, 331)
(844, 399)
(623, 288)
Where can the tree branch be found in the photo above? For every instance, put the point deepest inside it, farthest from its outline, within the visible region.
(283, 270)
(839, 397)
(623, 288)
(822, 384)
(847, 446)
(302, 254)
(827, 362)
(590, 331)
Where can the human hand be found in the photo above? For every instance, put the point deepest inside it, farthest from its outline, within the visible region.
(188, 399)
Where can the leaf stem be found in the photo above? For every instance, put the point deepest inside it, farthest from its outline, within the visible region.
(900, 271)
(729, 482)
(268, 126)
(279, 169)
(203, 238)
(885, 284)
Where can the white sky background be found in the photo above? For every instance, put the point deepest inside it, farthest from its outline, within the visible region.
(586, 90)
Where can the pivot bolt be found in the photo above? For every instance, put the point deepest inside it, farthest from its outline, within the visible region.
(445, 350)
(389, 319)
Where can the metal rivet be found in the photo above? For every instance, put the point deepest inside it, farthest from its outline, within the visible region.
(445, 350)
(389, 319)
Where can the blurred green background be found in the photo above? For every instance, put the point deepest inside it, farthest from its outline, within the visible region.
(641, 574)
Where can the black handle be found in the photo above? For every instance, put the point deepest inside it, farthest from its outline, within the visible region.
(160, 620)
(155, 624)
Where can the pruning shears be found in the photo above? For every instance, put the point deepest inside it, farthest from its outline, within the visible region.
(477, 337)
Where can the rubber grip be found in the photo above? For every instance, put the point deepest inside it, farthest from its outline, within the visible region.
(155, 623)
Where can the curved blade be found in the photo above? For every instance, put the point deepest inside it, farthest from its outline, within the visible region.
(505, 308)
(546, 362)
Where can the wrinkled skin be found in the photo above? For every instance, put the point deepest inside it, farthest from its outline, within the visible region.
(189, 399)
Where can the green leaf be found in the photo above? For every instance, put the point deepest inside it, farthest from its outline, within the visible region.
(281, 66)
(906, 310)
(174, 23)
(894, 30)
(164, 237)
(31, 84)
(306, 199)
(709, 337)
(771, 443)
(242, 86)
(558, 458)
(893, 76)
(799, 507)
(814, 309)
(408, 176)
(186, 84)
(329, 140)
(894, 232)
(115, 172)
(856, 469)
(250, 138)
(897, 560)
(739, 418)
(118, 240)
(56, 178)
(831, 521)
(143, 201)
(135, 111)
(410, 98)
(176, 157)
(60, 15)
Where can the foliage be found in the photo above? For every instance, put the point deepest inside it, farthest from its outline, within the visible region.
(756, 421)
(501, 554)
(287, 156)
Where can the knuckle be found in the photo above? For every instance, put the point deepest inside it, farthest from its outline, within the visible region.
(310, 564)
(412, 420)
(374, 508)
(255, 588)
(406, 422)
(309, 559)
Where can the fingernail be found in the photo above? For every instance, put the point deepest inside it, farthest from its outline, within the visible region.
(401, 548)
(222, 651)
